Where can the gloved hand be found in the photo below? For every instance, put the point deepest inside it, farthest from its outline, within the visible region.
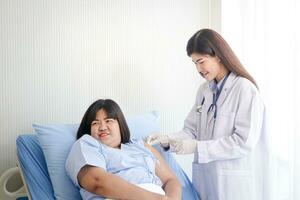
(186, 146)
(161, 139)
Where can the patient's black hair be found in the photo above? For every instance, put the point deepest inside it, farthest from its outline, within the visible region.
(112, 110)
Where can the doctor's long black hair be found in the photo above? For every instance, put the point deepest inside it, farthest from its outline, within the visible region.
(207, 41)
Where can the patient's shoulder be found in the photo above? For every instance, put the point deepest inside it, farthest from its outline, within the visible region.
(87, 140)
(86, 144)
(139, 142)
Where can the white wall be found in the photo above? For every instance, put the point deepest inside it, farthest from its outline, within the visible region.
(57, 57)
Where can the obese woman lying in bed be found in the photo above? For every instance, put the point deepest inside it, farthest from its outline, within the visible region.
(105, 163)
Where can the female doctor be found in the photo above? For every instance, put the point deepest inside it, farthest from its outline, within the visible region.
(225, 127)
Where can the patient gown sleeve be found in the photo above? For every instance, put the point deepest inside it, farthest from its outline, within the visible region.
(85, 151)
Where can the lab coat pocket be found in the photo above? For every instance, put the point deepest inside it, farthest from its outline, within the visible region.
(235, 184)
(224, 124)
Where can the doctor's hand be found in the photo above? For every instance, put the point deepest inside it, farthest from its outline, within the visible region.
(186, 146)
(161, 139)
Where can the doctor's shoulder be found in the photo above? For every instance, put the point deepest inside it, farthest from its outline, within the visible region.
(244, 85)
(247, 90)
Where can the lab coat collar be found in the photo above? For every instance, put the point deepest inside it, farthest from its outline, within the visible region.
(212, 85)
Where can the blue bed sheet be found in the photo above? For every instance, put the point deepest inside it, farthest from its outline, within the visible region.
(34, 168)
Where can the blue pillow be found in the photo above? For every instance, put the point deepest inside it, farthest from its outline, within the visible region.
(56, 141)
(141, 125)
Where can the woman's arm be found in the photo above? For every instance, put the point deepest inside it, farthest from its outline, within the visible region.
(98, 181)
(171, 184)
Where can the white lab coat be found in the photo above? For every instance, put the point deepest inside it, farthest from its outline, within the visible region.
(231, 161)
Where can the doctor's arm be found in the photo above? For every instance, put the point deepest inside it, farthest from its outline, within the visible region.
(171, 184)
(98, 181)
(190, 126)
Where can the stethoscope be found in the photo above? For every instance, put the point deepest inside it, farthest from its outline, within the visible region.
(213, 106)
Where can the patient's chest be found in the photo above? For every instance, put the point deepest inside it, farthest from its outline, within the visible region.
(133, 162)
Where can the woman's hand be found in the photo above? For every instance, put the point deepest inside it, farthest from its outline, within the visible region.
(180, 146)
(157, 138)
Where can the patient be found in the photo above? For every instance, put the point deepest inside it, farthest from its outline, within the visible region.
(105, 163)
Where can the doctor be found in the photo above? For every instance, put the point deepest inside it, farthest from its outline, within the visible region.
(225, 129)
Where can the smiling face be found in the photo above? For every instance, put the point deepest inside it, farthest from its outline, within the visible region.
(106, 130)
(209, 67)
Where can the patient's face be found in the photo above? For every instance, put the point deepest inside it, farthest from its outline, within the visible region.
(106, 130)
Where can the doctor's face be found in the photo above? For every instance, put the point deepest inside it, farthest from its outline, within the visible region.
(209, 67)
(106, 130)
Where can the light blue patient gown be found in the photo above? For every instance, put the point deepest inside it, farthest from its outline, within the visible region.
(133, 162)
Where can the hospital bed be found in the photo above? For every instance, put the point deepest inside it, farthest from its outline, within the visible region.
(34, 170)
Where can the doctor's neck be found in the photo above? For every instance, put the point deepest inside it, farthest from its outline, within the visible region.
(222, 73)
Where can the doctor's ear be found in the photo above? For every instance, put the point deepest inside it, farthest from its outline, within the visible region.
(218, 59)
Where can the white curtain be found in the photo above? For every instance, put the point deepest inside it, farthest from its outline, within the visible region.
(265, 34)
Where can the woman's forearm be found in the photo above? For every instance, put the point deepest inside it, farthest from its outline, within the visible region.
(173, 189)
(97, 181)
(117, 188)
